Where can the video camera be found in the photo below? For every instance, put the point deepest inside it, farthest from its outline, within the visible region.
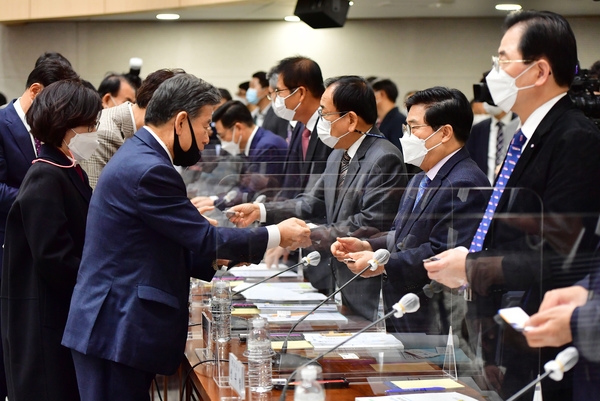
(585, 94)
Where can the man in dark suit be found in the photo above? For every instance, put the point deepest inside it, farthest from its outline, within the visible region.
(389, 117)
(144, 239)
(263, 153)
(537, 233)
(361, 193)
(444, 213)
(18, 147)
(296, 98)
(489, 139)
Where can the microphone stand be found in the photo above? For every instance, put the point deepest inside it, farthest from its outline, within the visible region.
(527, 387)
(284, 345)
(315, 359)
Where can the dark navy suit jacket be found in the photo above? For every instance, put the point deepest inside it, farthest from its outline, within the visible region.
(296, 170)
(144, 239)
(447, 215)
(16, 155)
(391, 126)
(261, 170)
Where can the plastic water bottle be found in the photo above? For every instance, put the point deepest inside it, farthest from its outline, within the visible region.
(260, 356)
(309, 388)
(221, 311)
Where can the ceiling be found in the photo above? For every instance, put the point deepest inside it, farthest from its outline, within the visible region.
(366, 9)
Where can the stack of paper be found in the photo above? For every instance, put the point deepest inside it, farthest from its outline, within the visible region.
(260, 270)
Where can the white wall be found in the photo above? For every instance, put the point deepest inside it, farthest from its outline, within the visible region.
(415, 53)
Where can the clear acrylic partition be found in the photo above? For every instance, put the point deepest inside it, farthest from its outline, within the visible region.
(529, 253)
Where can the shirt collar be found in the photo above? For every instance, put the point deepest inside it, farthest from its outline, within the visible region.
(354, 147)
(312, 121)
(159, 141)
(247, 150)
(529, 126)
(21, 113)
(435, 169)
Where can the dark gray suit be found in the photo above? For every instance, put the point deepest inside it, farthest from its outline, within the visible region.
(276, 125)
(368, 200)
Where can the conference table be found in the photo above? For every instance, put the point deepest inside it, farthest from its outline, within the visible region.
(366, 370)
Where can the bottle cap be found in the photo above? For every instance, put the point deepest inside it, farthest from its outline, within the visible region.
(309, 373)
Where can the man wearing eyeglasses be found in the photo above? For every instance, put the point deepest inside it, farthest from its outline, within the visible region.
(538, 231)
(441, 206)
(359, 189)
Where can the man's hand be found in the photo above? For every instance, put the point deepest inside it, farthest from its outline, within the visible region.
(205, 209)
(201, 201)
(551, 326)
(245, 214)
(361, 260)
(273, 255)
(294, 234)
(343, 246)
(449, 268)
(569, 295)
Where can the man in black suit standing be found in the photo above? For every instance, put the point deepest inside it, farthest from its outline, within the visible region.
(538, 231)
(389, 117)
(489, 139)
(296, 98)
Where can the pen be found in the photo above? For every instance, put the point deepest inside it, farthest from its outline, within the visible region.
(410, 390)
(431, 259)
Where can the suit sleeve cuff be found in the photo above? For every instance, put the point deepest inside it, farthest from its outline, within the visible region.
(274, 237)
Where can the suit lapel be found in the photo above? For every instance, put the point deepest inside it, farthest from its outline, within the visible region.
(330, 179)
(56, 156)
(431, 191)
(534, 144)
(19, 132)
(352, 173)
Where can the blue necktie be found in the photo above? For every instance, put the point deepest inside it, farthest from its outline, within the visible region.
(512, 156)
(422, 186)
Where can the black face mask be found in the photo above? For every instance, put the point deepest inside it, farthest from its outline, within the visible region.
(189, 157)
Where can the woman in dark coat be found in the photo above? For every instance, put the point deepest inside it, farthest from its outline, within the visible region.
(44, 240)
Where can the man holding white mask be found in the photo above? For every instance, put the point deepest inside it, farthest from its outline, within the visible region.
(538, 231)
(440, 206)
(359, 189)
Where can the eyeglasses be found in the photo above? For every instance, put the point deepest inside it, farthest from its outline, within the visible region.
(496, 62)
(407, 130)
(272, 95)
(321, 114)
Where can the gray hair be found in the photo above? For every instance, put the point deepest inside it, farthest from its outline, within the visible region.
(272, 77)
(183, 92)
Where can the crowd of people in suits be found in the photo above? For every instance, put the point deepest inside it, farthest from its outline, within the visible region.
(112, 199)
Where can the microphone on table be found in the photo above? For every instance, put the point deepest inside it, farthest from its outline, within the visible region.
(229, 197)
(409, 303)
(311, 259)
(283, 360)
(564, 361)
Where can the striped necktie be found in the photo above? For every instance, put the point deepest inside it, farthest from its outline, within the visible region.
(512, 156)
(422, 187)
(499, 143)
(343, 170)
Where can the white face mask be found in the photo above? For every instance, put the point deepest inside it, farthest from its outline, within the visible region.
(414, 148)
(492, 110)
(231, 147)
(324, 132)
(83, 145)
(503, 87)
(281, 110)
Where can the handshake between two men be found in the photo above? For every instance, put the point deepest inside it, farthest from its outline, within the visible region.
(294, 232)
